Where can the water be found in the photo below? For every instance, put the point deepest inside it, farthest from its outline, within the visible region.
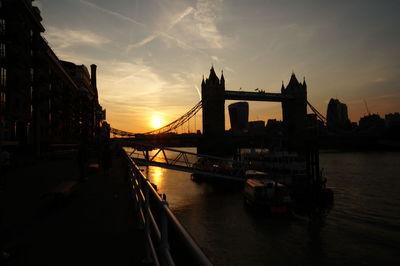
(362, 228)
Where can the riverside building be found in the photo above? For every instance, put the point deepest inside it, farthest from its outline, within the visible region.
(43, 100)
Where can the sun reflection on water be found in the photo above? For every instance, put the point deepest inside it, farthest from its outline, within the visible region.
(156, 176)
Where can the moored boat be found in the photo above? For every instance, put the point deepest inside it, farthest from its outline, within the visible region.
(215, 171)
(267, 193)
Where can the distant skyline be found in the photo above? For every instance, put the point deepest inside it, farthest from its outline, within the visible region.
(151, 55)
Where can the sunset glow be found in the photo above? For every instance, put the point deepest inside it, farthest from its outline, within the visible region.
(156, 122)
(151, 55)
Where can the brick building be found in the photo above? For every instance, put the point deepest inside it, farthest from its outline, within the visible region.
(43, 100)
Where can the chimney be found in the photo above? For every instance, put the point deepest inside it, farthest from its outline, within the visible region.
(93, 76)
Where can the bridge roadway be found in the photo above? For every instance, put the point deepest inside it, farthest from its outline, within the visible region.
(94, 225)
(256, 96)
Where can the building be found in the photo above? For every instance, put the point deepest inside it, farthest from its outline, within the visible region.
(257, 128)
(294, 112)
(89, 112)
(372, 125)
(392, 120)
(213, 100)
(41, 97)
(336, 115)
(20, 29)
(239, 117)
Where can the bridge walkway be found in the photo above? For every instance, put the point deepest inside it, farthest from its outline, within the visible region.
(180, 160)
(94, 225)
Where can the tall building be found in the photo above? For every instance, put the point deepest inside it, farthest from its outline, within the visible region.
(20, 29)
(239, 117)
(41, 99)
(336, 115)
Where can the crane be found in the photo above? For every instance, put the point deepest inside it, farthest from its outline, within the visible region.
(366, 106)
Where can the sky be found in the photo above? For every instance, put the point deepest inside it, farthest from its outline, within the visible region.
(151, 54)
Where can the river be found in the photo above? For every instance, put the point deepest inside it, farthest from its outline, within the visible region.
(362, 227)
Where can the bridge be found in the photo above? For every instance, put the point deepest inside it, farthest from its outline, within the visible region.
(214, 138)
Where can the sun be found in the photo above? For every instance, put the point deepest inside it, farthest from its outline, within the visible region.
(156, 122)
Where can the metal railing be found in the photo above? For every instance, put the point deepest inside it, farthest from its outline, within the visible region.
(160, 224)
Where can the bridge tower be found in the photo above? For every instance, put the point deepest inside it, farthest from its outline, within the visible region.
(294, 112)
(213, 99)
(213, 104)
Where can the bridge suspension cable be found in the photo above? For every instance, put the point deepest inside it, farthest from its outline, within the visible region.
(178, 122)
(319, 115)
(121, 133)
(167, 128)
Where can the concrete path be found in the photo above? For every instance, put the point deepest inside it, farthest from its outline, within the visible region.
(94, 225)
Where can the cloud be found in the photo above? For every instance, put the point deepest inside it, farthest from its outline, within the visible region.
(215, 58)
(205, 17)
(131, 80)
(143, 42)
(198, 30)
(64, 38)
(379, 80)
(164, 33)
(198, 91)
(139, 85)
(110, 12)
(180, 17)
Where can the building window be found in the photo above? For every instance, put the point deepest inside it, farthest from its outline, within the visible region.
(2, 101)
(2, 49)
(3, 77)
(31, 91)
(2, 26)
(32, 73)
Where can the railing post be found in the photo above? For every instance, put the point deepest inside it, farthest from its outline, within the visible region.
(148, 258)
(164, 245)
(164, 228)
(135, 193)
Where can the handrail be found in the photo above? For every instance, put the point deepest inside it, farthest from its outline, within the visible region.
(149, 205)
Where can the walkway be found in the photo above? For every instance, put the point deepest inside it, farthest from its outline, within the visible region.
(93, 226)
